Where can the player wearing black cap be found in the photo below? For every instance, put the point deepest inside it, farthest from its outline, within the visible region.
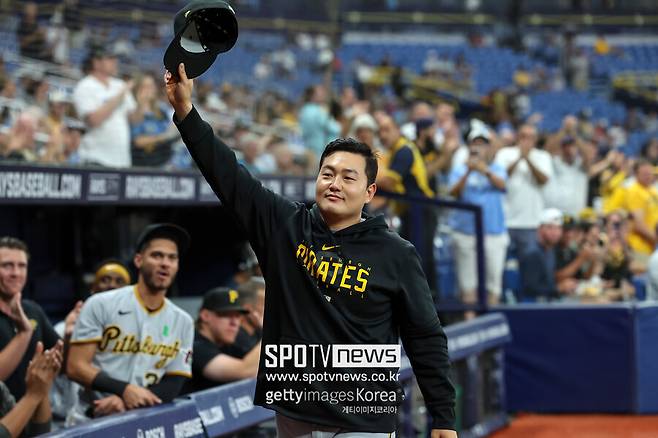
(336, 279)
(216, 329)
(131, 346)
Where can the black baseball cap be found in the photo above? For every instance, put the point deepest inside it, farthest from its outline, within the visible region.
(166, 231)
(203, 29)
(223, 299)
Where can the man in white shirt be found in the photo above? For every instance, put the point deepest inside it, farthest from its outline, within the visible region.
(567, 191)
(104, 102)
(528, 169)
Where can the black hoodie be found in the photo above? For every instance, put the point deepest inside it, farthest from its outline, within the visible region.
(360, 285)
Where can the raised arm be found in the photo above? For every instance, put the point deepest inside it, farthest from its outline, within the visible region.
(33, 410)
(259, 210)
(539, 174)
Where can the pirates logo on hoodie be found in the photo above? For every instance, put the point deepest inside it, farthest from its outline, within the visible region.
(332, 271)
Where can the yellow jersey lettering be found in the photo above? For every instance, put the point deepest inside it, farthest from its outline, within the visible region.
(323, 270)
(312, 259)
(346, 276)
(109, 334)
(118, 347)
(328, 272)
(301, 251)
(363, 281)
(336, 266)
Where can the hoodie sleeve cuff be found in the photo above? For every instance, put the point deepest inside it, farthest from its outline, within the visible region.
(443, 426)
(444, 421)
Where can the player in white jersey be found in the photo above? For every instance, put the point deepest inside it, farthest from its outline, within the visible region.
(132, 347)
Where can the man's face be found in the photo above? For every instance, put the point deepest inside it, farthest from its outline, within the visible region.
(58, 109)
(388, 132)
(444, 113)
(72, 138)
(320, 94)
(527, 136)
(366, 136)
(13, 272)
(593, 235)
(224, 326)
(569, 152)
(478, 148)
(421, 111)
(551, 234)
(107, 65)
(341, 188)
(259, 303)
(644, 174)
(572, 236)
(109, 281)
(427, 133)
(158, 264)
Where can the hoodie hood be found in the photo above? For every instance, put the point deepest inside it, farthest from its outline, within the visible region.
(370, 223)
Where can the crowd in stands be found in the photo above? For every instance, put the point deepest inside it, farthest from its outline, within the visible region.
(502, 157)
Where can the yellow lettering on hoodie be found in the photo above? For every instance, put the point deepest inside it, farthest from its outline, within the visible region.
(346, 276)
(363, 281)
(323, 270)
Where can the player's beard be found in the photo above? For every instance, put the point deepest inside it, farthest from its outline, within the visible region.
(152, 282)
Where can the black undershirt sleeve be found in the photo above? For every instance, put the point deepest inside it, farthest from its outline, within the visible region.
(168, 387)
(104, 383)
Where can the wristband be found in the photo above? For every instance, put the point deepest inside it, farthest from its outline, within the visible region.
(103, 382)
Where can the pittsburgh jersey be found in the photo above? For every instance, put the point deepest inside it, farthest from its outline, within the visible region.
(135, 344)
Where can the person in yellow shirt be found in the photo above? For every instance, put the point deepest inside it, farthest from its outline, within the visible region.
(641, 201)
(601, 46)
(614, 171)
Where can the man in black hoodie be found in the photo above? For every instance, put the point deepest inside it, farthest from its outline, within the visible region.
(340, 286)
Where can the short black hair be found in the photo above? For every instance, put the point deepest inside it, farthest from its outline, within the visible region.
(356, 147)
(14, 243)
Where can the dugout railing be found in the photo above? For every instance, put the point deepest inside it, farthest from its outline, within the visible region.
(229, 409)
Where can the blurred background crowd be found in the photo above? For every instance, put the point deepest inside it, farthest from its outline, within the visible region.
(553, 130)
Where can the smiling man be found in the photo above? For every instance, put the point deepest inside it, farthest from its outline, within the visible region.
(338, 280)
(22, 322)
(132, 347)
(217, 327)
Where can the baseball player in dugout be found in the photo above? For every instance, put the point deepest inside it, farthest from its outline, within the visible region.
(23, 323)
(132, 347)
(342, 290)
(217, 326)
(110, 274)
(252, 297)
